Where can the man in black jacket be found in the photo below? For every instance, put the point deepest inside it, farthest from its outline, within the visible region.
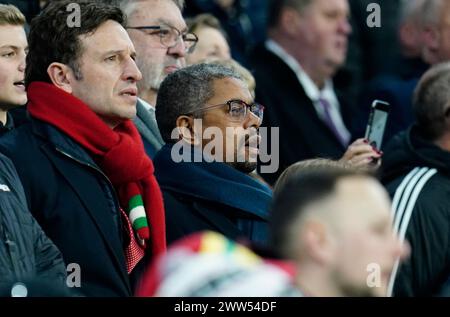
(416, 172)
(26, 253)
(294, 69)
(86, 176)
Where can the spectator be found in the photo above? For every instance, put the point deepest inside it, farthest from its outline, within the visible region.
(212, 40)
(159, 33)
(398, 89)
(25, 251)
(208, 264)
(294, 69)
(334, 223)
(100, 195)
(13, 49)
(416, 173)
(207, 186)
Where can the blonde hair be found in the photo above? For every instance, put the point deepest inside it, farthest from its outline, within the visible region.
(10, 15)
(238, 68)
(204, 20)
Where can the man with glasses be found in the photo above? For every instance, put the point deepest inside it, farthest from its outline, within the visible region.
(100, 203)
(159, 34)
(209, 122)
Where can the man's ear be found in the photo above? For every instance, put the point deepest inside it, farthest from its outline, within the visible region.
(289, 21)
(187, 130)
(61, 76)
(316, 241)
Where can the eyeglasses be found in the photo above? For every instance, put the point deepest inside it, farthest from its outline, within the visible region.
(169, 36)
(237, 109)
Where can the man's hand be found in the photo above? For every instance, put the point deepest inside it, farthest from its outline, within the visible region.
(361, 154)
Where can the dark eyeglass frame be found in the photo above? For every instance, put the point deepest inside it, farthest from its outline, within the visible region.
(189, 43)
(255, 108)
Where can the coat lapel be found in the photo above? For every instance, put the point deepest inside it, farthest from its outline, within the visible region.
(148, 128)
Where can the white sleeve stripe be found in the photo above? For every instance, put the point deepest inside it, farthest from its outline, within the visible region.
(409, 190)
(409, 187)
(400, 189)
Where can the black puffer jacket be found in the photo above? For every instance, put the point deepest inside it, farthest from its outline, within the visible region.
(25, 251)
(417, 175)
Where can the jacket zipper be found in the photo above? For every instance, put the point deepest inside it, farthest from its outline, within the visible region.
(97, 170)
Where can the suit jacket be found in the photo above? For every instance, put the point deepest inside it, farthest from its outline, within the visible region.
(74, 203)
(147, 126)
(303, 135)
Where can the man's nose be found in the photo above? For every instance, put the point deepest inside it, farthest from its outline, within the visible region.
(179, 49)
(131, 71)
(252, 120)
(345, 26)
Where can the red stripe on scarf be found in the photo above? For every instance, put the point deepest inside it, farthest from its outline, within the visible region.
(119, 153)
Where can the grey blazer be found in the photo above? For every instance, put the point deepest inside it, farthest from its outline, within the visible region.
(145, 122)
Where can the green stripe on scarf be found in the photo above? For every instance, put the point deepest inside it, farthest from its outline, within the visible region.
(134, 202)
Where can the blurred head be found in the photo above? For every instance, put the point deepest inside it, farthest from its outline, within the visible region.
(315, 32)
(161, 49)
(298, 168)
(13, 50)
(436, 19)
(218, 97)
(241, 70)
(208, 264)
(335, 223)
(431, 102)
(212, 43)
(410, 30)
(94, 62)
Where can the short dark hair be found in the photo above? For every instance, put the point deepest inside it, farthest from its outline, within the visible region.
(51, 39)
(276, 6)
(303, 188)
(185, 91)
(432, 100)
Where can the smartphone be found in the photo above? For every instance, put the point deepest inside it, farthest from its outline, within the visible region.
(377, 123)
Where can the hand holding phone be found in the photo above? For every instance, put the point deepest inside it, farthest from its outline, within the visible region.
(377, 123)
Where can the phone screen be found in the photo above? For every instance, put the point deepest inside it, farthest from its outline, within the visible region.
(377, 123)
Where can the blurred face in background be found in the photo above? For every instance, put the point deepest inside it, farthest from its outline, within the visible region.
(211, 45)
(319, 36)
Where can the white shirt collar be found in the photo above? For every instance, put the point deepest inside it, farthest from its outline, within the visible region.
(311, 89)
(146, 105)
